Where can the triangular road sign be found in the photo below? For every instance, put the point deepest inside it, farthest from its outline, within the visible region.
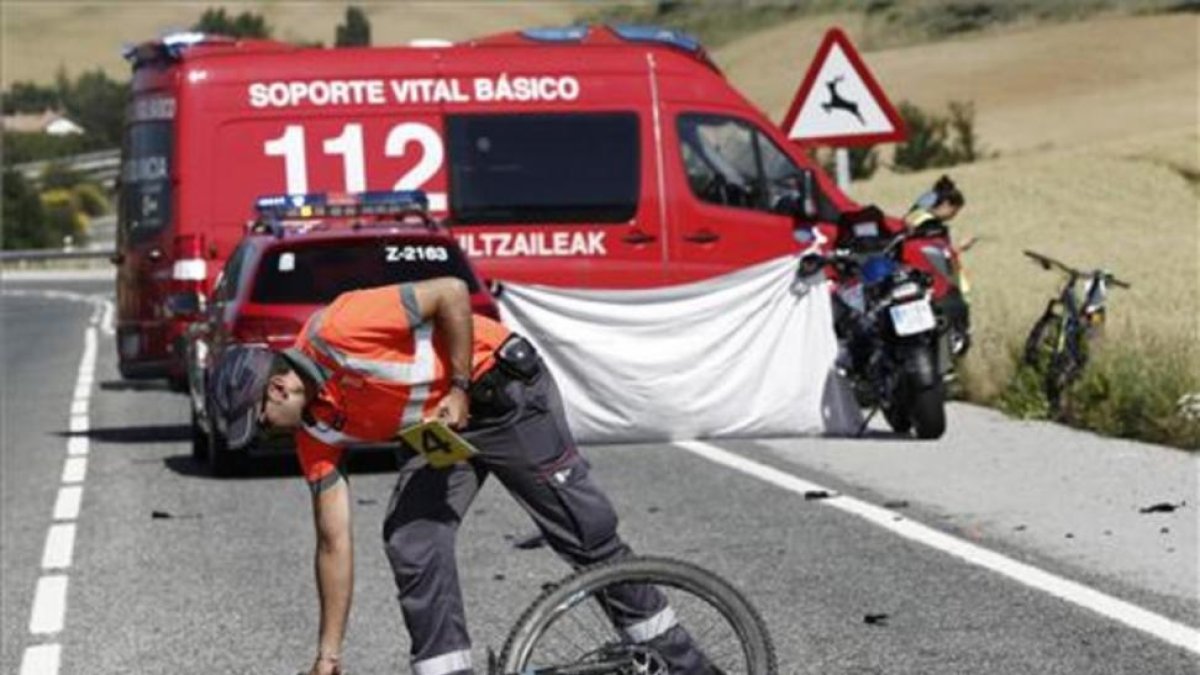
(839, 102)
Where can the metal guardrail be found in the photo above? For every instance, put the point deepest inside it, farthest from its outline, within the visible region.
(103, 165)
(44, 254)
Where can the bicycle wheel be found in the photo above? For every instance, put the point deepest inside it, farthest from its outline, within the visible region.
(566, 630)
(1041, 342)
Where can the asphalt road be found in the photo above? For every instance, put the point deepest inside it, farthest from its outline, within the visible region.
(172, 571)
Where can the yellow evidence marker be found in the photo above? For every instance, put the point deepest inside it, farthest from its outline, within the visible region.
(438, 443)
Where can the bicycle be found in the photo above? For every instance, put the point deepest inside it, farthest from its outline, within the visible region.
(568, 631)
(1057, 343)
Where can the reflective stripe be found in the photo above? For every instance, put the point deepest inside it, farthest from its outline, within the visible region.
(451, 662)
(412, 309)
(423, 366)
(418, 372)
(329, 480)
(328, 435)
(645, 631)
(315, 371)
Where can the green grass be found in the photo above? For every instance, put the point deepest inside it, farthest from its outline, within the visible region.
(1126, 391)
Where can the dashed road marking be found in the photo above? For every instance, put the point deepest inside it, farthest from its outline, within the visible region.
(49, 605)
(60, 546)
(49, 612)
(1131, 615)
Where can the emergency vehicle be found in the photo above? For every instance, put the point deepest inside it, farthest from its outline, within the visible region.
(587, 156)
(299, 255)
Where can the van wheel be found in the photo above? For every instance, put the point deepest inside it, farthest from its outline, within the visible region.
(199, 441)
(221, 460)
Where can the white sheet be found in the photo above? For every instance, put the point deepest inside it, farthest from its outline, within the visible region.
(743, 355)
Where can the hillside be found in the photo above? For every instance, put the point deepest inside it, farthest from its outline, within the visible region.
(39, 37)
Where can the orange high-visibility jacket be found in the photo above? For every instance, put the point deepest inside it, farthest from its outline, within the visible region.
(379, 368)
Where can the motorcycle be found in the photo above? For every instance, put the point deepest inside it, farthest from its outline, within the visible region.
(885, 322)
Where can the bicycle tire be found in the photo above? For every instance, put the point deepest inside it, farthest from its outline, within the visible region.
(733, 606)
(1043, 332)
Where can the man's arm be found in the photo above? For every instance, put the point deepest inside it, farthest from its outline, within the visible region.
(445, 301)
(335, 571)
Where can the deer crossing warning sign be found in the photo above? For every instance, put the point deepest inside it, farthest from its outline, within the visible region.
(839, 102)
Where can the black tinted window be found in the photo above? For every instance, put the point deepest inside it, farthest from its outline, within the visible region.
(317, 273)
(554, 168)
(146, 178)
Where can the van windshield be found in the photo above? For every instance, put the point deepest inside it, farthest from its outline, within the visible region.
(316, 273)
(543, 168)
(146, 178)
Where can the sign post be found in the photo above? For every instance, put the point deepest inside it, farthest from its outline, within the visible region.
(839, 103)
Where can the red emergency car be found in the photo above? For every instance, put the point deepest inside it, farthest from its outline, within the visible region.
(588, 156)
(302, 252)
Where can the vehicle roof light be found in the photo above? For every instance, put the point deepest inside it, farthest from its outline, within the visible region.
(557, 34)
(667, 36)
(291, 211)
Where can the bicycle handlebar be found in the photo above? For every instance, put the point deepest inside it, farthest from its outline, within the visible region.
(1047, 263)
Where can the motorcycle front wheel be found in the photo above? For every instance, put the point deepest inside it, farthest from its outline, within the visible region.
(568, 629)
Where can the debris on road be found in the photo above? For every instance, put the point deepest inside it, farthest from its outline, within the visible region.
(164, 515)
(896, 504)
(875, 619)
(1162, 507)
(813, 495)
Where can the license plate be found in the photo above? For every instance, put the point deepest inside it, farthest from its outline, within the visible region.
(912, 317)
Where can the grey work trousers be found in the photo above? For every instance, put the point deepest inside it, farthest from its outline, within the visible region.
(531, 451)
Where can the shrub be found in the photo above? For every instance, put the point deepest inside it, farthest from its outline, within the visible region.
(23, 218)
(356, 31)
(244, 25)
(1126, 390)
(937, 140)
(91, 199)
(59, 176)
(63, 218)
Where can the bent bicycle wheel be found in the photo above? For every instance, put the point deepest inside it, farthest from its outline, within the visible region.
(567, 629)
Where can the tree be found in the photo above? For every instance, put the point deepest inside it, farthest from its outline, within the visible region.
(356, 31)
(23, 218)
(97, 103)
(30, 97)
(244, 25)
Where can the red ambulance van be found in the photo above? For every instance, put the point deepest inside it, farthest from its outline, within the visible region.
(589, 156)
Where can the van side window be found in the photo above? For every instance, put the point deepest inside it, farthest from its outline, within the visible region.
(730, 162)
(543, 168)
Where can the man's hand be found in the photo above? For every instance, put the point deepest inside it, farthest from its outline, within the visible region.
(453, 409)
(326, 665)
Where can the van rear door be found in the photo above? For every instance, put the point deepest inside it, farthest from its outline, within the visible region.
(144, 234)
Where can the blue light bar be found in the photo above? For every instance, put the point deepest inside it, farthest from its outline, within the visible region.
(557, 34)
(667, 36)
(340, 205)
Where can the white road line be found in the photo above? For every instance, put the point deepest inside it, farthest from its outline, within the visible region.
(74, 470)
(60, 545)
(49, 605)
(40, 660)
(66, 507)
(77, 445)
(78, 424)
(1118, 610)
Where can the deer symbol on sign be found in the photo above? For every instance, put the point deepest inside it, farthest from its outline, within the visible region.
(836, 101)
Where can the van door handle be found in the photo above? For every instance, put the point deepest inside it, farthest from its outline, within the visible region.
(704, 236)
(637, 237)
